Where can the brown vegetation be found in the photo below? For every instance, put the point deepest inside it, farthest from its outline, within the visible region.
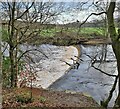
(45, 98)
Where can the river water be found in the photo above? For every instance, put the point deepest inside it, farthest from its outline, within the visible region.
(84, 79)
(88, 80)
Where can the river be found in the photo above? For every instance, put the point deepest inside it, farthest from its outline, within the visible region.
(84, 79)
(88, 80)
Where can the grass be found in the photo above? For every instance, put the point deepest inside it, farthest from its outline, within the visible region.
(67, 36)
(42, 99)
(90, 30)
(60, 35)
(50, 32)
(87, 30)
(24, 97)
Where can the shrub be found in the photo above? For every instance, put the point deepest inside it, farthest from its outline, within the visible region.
(42, 99)
(24, 98)
(6, 71)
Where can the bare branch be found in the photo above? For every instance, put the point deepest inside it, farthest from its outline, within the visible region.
(90, 16)
(94, 60)
(103, 71)
(29, 51)
(25, 11)
(105, 103)
(4, 48)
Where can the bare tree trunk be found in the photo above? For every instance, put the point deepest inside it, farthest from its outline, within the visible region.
(12, 66)
(0, 70)
(11, 43)
(116, 49)
(115, 42)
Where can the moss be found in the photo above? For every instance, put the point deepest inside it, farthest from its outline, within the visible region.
(24, 97)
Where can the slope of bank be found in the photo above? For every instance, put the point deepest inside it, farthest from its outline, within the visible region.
(41, 98)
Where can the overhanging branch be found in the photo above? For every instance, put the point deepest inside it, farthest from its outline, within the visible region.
(25, 11)
(105, 103)
(103, 71)
(90, 16)
(29, 51)
(94, 60)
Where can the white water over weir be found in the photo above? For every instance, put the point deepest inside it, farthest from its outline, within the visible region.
(47, 61)
(52, 67)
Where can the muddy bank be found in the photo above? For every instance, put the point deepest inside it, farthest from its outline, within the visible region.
(46, 99)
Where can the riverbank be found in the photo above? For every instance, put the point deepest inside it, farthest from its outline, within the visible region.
(69, 38)
(20, 98)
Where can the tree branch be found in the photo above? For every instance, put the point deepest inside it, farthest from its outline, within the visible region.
(29, 51)
(93, 61)
(105, 103)
(103, 71)
(90, 16)
(25, 11)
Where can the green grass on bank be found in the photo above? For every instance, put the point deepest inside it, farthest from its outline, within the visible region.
(50, 32)
(87, 31)
(60, 35)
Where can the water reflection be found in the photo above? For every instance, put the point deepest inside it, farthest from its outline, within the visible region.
(88, 80)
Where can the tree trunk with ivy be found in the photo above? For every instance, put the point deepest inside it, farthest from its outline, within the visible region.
(115, 42)
(11, 31)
